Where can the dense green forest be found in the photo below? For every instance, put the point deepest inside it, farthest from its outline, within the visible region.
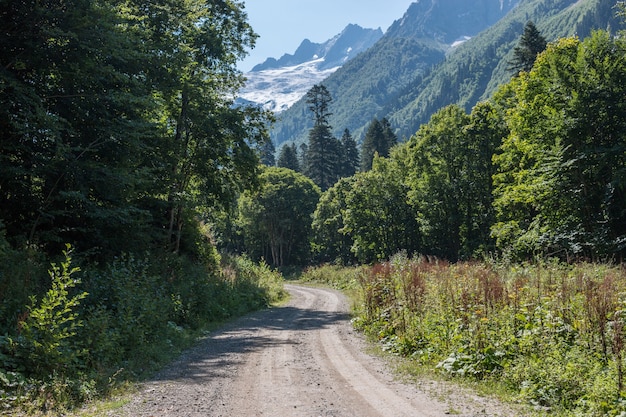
(537, 171)
(135, 208)
(118, 144)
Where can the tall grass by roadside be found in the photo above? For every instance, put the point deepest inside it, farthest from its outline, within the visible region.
(95, 329)
(550, 334)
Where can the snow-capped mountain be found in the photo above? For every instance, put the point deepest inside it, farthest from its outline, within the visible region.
(278, 83)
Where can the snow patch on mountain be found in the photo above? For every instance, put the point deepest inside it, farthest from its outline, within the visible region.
(460, 40)
(278, 89)
(277, 84)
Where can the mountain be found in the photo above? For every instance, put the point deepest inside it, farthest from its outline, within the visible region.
(335, 52)
(363, 87)
(432, 57)
(278, 83)
(474, 71)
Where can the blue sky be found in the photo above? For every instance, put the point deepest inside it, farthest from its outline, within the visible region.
(283, 24)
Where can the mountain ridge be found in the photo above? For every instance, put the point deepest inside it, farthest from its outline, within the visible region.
(411, 47)
(278, 83)
(352, 40)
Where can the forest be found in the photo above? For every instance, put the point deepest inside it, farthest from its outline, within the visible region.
(139, 205)
(535, 172)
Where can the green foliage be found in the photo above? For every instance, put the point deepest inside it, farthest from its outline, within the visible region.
(118, 112)
(449, 174)
(350, 161)
(266, 283)
(378, 217)
(318, 98)
(276, 220)
(551, 334)
(331, 242)
(531, 44)
(336, 276)
(267, 153)
(288, 158)
(47, 342)
(379, 139)
(322, 162)
(139, 313)
(322, 159)
(559, 182)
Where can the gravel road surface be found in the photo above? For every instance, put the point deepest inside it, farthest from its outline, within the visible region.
(301, 359)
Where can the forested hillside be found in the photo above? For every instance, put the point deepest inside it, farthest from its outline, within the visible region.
(413, 70)
(473, 71)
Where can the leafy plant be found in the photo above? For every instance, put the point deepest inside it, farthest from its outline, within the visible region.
(46, 343)
(551, 334)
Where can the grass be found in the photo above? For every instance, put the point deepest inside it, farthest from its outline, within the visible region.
(547, 337)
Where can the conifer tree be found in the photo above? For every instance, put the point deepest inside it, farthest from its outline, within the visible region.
(318, 98)
(302, 155)
(378, 140)
(267, 153)
(288, 158)
(530, 45)
(350, 155)
(390, 137)
(323, 152)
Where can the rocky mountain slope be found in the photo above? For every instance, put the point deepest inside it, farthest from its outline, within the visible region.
(277, 84)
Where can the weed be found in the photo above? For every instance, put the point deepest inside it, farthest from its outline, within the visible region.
(551, 335)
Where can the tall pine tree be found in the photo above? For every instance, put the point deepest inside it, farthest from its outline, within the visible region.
(390, 137)
(288, 158)
(322, 162)
(530, 45)
(267, 153)
(350, 161)
(379, 139)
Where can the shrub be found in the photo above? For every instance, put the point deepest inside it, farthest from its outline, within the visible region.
(46, 344)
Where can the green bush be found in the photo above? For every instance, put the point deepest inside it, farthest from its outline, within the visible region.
(47, 343)
(255, 285)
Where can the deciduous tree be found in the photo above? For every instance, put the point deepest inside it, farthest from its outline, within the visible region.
(560, 185)
(276, 219)
(378, 216)
(331, 241)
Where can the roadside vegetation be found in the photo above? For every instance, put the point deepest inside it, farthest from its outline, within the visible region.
(95, 329)
(546, 334)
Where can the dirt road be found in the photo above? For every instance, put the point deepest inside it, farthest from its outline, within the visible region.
(303, 359)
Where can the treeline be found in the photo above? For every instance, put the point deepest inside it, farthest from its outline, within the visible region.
(118, 137)
(117, 122)
(538, 170)
(274, 221)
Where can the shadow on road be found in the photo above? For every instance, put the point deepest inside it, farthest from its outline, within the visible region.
(219, 354)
